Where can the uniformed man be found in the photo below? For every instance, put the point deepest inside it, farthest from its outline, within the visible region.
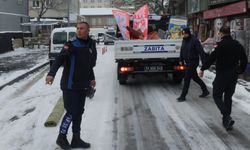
(191, 49)
(78, 57)
(231, 60)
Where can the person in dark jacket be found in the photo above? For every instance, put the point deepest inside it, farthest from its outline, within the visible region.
(191, 49)
(231, 60)
(78, 56)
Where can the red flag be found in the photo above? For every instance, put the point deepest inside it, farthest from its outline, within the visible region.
(122, 20)
(140, 19)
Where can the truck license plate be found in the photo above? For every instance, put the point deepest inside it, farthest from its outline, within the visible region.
(153, 68)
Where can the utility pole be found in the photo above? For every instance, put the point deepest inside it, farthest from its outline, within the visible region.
(68, 10)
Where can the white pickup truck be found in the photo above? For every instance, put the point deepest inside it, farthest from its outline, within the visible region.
(148, 56)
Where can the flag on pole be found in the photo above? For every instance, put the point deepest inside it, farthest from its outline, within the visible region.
(140, 20)
(122, 20)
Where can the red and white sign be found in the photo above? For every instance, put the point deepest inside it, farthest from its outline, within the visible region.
(140, 19)
(122, 20)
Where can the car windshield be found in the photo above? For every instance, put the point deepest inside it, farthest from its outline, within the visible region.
(60, 38)
(72, 35)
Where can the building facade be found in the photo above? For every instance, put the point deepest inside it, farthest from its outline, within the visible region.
(232, 13)
(98, 13)
(12, 14)
(98, 17)
(58, 11)
(196, 22)
(95, 3)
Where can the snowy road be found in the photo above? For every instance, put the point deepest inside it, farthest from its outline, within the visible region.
(142, 115)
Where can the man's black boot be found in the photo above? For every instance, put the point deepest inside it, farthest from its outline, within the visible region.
(181, 99)
(228, 123)
(63, 142)
(204, 94)
(77, 142)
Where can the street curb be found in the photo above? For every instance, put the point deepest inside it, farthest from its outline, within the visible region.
(23, 75)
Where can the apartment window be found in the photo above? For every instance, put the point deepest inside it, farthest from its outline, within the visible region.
(36, 3)
(111, 21)
(92, 1)
(93, 21)
(99, 21)
(92, 6)
(99, 1)
(84, 1)
(19, 2)
(99, 6)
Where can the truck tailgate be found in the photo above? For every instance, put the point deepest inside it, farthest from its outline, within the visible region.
(147, 49)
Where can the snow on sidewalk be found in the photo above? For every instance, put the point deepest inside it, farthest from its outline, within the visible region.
(20, 56)
(241, 97)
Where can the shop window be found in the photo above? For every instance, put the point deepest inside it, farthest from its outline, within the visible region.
(36, 3)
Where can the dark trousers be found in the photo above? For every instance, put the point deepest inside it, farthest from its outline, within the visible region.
(223, 90)
(74, 102)
(191, 73)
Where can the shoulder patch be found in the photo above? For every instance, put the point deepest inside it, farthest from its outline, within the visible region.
(66, 46)
(72, 39)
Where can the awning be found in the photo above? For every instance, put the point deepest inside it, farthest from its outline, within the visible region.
(229, 10)
(40, 23)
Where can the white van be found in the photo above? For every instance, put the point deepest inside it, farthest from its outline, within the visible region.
(58, 37)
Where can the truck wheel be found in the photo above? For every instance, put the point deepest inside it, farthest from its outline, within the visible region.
(177, 77)
(122, 82)
(122, 78)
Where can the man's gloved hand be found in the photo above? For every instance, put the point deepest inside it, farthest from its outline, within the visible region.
(93, 83)
(49, 79)
(90, 92)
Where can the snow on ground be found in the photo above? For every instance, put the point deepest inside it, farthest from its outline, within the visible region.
(241, 97)
(25, 106)
(24, 109)
(17, 57)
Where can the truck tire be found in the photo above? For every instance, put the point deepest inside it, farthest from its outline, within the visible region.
(177, 77)
(122, 82)
(122, 78)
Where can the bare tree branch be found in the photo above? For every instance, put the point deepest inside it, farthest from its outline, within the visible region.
(45, 5)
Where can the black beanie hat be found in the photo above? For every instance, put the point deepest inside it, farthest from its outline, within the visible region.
(225, 30)
(187, 31)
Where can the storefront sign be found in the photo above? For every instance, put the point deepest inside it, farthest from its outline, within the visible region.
(232, 9)
(215, 2)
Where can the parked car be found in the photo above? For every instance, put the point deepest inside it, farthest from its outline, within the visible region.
(58, 37)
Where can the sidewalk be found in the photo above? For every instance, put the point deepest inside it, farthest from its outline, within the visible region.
(20, 61)
(246, 75)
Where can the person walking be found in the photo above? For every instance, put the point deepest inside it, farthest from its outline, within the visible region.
(231, 60)
(78, 56)
(191, 49)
